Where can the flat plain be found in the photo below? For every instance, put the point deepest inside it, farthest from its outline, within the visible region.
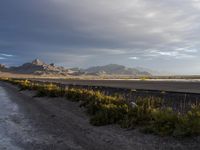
(171, 85)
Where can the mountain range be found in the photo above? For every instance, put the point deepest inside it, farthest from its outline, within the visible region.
(38, 67)
(114, 69)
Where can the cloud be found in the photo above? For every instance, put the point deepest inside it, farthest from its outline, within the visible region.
(69, 60)
(105, 29)
(1, 58)
(134, 58)
(6, 55)
(178, 54)
(110, 51)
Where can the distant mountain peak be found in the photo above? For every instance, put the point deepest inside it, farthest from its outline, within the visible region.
(39, 67)
(3, 67)
(37, 62)
(115, 69)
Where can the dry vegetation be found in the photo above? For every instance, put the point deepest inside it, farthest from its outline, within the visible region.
(147, 114)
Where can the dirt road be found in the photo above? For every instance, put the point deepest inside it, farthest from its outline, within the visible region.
(28, 123)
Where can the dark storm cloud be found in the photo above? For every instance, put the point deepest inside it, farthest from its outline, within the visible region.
(140, 32)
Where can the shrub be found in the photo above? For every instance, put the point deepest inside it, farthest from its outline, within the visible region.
(141, 115)
(167, 122)
(189, 124)
(50, 90)
(109, 114)
(73, 94)
(163, 122)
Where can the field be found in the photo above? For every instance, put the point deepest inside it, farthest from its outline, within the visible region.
(185, 84)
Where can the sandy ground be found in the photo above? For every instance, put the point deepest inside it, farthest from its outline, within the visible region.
(28, 123)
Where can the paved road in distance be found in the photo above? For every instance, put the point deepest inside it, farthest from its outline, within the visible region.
(184, 86)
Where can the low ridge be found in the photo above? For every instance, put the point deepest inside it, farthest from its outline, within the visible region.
(39, 67)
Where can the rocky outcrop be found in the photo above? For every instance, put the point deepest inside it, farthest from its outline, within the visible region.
(39, 67)
(3, 67)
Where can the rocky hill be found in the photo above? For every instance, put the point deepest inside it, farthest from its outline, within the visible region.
(3, 67)
(38, 67)
(114, 69)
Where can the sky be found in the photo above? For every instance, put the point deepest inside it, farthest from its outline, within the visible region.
(162, 35)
